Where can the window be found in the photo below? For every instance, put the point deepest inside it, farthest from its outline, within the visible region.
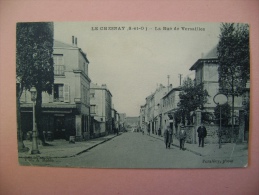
(58, 59)
(59, 67)
(92, 109)
(58, 92)
(59, 70)
(92, 93)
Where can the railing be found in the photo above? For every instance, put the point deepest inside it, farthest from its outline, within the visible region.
(59, 99)
(59, 70)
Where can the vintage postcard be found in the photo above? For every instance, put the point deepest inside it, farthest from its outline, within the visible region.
(133, 94)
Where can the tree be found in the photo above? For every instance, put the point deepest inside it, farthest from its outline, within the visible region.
(233, 57)
(34, 62)
(191, 97)
(225, 113)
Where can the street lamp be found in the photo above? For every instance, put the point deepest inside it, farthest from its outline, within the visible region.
(34, 149)
(220, 99)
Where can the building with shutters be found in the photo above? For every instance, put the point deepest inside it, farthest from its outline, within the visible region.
(101, 110)
(169, 105)
(66, 112)
(206, 72)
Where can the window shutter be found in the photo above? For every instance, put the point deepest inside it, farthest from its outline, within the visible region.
(66, 93)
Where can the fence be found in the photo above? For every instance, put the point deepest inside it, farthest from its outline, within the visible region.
(212, 134)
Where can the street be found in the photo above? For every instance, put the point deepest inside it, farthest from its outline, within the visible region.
(129, 150)
(134, 150)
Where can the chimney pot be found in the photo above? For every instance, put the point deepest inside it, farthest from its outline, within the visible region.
(72, 40)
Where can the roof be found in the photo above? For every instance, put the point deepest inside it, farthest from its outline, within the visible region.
(150, 96)
(63, 45)
(92, 85)
(211, 55)
(95, 86)
(174, 89)
(60, 44)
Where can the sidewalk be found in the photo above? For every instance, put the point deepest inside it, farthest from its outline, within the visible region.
(63, 149)
(227, 150)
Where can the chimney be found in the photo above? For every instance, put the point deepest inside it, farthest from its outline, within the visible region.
(76, 41)
(72, 40)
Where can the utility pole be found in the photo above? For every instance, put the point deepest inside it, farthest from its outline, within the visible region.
(168, 76)
(180, 76)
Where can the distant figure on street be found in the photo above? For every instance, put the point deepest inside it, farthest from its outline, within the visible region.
(148, 131)
(202, 133)
(168, 136)
(182, 137)
(117, 128)
(159, 132)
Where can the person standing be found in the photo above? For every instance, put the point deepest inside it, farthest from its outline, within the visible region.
(159, 132)
(168, 136)
(202, 133)
(117, 128)
(182, 137)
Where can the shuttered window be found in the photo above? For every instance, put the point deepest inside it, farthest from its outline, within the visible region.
(58, 93)
(66, 93)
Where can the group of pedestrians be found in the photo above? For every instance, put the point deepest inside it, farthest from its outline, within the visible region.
(168, 136)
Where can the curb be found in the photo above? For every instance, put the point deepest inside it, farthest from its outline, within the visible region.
(73, 154)
(93, 146)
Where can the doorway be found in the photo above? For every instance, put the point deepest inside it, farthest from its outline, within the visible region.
(59, 127)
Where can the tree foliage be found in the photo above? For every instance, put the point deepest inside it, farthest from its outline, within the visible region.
(34, 48)
(233, 56)
(234, 62)
(191, 97)
(225, 113)
(34, 62)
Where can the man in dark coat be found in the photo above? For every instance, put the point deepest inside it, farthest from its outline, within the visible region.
(202, 133)
(182, 137)
(168, 136)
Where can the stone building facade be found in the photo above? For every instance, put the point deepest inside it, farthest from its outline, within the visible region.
(66, 112)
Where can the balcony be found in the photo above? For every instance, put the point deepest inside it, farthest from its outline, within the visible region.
(59, 70)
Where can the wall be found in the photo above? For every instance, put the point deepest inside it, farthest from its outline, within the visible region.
(212, 134)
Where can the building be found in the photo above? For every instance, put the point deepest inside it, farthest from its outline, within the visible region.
(157, 120)
(169, 106)
(150, 104)
(101, 110)
(132, 123)
(122, 120)
(206, 72)
(151, 114)
(66, 112)
(115, 120)
(142, 121)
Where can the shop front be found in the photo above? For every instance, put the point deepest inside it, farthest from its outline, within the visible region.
(57, 123)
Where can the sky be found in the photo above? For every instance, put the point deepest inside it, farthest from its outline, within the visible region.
(133, 62)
